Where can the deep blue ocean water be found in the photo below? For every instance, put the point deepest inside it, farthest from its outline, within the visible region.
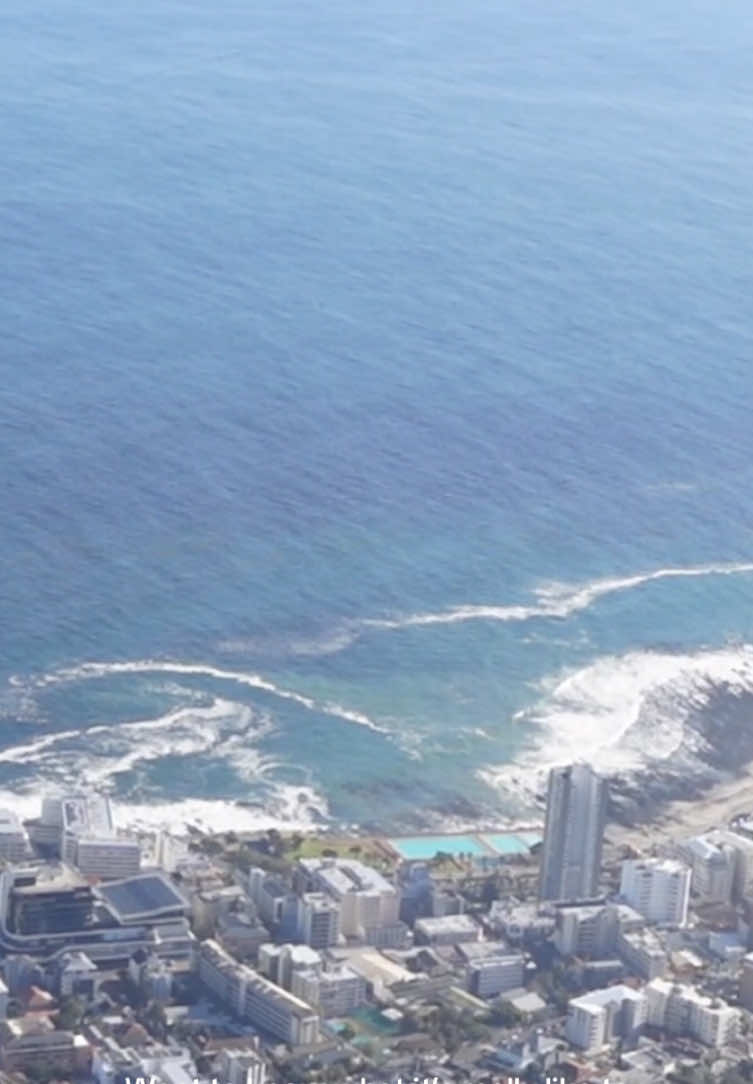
(323, 325)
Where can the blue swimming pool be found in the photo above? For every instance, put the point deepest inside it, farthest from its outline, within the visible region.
(531, 838)
(425, 847)
(507, 843)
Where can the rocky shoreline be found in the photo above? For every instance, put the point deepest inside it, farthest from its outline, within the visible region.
(717, 750)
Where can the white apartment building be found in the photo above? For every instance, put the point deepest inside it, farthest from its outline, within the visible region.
(494, 975)
(592, 930)
(241, 1066)
(318, 920)
(746, 983)
(269, 894)
(682, 1010)
(280, 1013)
(583, 930)
(84, 833)
(111, 859)
(447, 930)
(369, 903)
(713, 865)
(280, 962)
(335, 992)
(256, 999)
(601, 1017)
(14, 841)
(659, 889)
(642, 952)
(742, 848)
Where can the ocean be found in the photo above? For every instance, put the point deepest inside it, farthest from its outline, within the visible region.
(375, 425)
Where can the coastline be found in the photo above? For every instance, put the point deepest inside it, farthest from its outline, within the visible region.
(723, 802)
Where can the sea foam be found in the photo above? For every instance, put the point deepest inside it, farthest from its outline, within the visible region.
(555, 600)
(621, 713)
(94, 757)
(91, 670)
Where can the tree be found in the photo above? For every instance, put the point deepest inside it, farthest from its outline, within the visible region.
(154, 1019)
(275, 844)
(42, 1072)
(211, 845)
(503, 1014)
(70, 1013)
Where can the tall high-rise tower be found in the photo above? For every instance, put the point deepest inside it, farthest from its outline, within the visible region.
(576, 813)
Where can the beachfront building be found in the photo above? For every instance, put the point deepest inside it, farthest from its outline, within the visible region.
(80, 828)
(576, 811)
(713, 865)
(601, 1017)
(369, 904)
(742, 850)
(14, 840)
(659, 889)
(682, 1010)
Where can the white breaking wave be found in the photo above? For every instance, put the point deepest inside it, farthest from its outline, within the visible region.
(89, 670)
(30, 752)
(93, 757)
(288, 807)
(332, 642)
(621, 712)
(558, 600)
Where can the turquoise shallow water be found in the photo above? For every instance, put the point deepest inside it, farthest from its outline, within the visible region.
(505, 843)
(375, 421)
(426, 847)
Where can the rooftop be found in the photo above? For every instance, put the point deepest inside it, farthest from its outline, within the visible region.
(375, 967)
(688, 993)
(704, 848)
(528, 1001)
(87, 815)
(47, 877)
(598, 999)
(9, 822)
(658, 865)
(142, 896)
(646, 940)
(299, 955)
(448, 924)
(343, 876)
